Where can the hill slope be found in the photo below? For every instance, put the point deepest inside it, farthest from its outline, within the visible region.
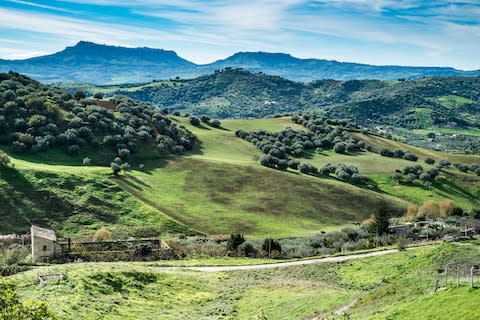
(393, 286)
(102, 64)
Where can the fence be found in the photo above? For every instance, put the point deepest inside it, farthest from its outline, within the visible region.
(458, 275)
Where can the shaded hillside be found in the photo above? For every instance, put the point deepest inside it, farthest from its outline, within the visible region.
(104, 64)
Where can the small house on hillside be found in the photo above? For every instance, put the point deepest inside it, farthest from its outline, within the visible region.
(44, 244)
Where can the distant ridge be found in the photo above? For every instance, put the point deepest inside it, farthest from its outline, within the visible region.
(105, 64)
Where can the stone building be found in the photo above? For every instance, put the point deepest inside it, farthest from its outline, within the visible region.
(44, 244)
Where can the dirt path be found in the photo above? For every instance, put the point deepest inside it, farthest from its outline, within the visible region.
(283, 264)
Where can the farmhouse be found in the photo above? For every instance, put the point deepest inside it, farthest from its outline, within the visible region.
(44, 244)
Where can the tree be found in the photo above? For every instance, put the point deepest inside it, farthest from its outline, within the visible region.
(194, 121)
(12, 308)
(340, 147)
(235, 240)
(115, 168)
(429, 160)
(98, 95)
(79, 95)
(215, 123)
(270, 245)
(410, 156)
(124, 153)
(381, 219)
(125, 167)
(4, 159)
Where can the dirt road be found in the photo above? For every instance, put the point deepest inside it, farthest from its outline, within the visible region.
(284, 264)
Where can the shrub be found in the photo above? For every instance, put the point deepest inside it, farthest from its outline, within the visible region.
(14, 309)
(270, 245)
(339, 147)
(248, 250)
(102, 234)
(4, 159)
(194, 121)
(143, 250)
(79, 95)
(115, 168)
(410, 156)
(98, 95)
(235, 240)
(429, 160)
(123, 153)
(125, 167)
(73, 150)
(215, 123)
(385, 152)
(307, 168)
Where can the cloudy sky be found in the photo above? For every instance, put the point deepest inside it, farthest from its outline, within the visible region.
(404, 32)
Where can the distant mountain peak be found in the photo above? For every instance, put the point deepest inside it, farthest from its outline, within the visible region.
(108, 64)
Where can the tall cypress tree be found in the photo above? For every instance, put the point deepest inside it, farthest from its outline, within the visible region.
(381, 219)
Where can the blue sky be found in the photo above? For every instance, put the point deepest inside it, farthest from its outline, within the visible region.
(404, 32)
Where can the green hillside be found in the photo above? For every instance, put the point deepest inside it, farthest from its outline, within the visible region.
(221, 181)
(443, 111)
(393, 286)
(184, 178)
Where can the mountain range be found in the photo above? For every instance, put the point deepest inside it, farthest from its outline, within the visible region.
(104, 64)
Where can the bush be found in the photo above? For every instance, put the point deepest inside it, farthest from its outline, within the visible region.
(143, 250)
(73, 150)
(102, 234)
(429, 160)
(410, 156)
(247, 250)
(307, 168)
(270, 245)
(194, 121)
(115, 168)
(4, 159)
(215, 123)
(98, 95)
(123, 153)
(235, 240)
(339, 147)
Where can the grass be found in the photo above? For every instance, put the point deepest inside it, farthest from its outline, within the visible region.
(75, 204)
(394, 286)
(217, 188)
(420, 152)
(252, 200)
(453, 101)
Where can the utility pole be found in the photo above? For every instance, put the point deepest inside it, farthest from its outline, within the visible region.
(269, 247)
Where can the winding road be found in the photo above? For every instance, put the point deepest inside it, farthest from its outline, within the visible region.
(284, 264)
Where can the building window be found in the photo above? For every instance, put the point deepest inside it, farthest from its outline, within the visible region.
(44, 248)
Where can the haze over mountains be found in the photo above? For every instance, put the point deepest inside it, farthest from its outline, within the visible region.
(104, 64)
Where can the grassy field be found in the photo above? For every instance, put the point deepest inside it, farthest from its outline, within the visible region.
(76, 203)
(217, 188)
(394, 286)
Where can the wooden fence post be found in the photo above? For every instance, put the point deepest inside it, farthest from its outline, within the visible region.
(471, 277)
(458, 277)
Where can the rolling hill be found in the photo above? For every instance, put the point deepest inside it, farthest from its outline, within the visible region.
(183, 177)
(83, 62)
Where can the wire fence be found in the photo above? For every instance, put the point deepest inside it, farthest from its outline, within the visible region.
(458, 275)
